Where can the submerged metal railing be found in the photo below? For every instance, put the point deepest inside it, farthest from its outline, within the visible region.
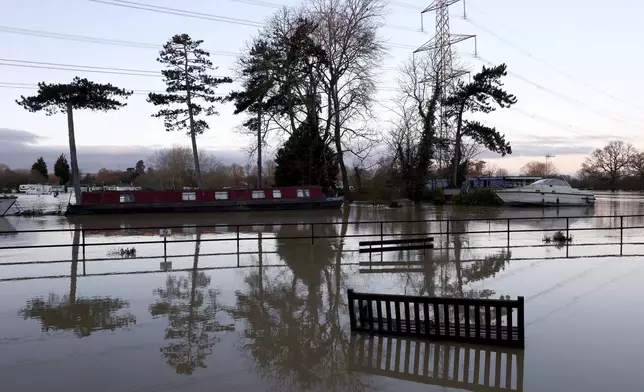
(318, 234)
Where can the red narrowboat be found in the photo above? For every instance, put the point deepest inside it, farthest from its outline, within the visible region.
(203, 200)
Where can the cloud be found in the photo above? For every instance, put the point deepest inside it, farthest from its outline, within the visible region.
(553, 145)
(17, 136)
(19, 149)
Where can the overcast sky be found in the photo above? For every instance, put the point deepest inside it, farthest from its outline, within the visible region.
(575, 68)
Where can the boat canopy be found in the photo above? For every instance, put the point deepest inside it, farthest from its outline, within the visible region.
(552, 182)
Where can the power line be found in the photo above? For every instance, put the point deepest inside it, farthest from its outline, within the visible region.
(31, 86)
(83, 68)
(563, 97)
(95, 40)
(401, 4)
(278, 5)
(179, 12)
(211, 17)
(548, 65)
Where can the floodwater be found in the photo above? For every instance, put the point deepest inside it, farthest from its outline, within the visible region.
(273, 317)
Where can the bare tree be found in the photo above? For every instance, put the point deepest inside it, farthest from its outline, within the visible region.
(538, 169)
(636, 166)
(174, 168)
(413, 137)
(610, 163)
(347, 31)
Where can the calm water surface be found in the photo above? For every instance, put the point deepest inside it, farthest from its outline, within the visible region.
(275, 318)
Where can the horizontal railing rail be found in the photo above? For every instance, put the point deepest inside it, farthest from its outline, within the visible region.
(337, 223)
(467, 320)
(445, 240)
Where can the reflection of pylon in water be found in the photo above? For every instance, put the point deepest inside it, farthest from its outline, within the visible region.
(440, 48)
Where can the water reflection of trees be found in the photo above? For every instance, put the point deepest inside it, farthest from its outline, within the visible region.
(293, 320)
(192, 318)
(81, 315)
(446, 275)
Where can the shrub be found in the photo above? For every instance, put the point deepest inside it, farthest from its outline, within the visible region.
(437, 196)
(477, 197)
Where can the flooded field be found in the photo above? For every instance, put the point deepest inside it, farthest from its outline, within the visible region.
(270, 314)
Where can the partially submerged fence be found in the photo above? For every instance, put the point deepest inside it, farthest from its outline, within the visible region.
(479, 321)
(446, 235)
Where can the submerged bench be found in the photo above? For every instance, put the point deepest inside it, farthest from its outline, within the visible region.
(479, 321)
(446, 364)
(403, 244)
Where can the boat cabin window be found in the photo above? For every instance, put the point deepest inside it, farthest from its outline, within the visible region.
(127, 198)
(258, 195)
(551, 182)
(303, 193)
(221, 195)
(277, 194)
(189, 196)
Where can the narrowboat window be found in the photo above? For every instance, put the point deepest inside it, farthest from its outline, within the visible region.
(277, 194)
(221, 195)
(258, 195)
(303, 193)
(127, 198)
(189, 196)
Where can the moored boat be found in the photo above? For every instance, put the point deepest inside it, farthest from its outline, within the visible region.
(548, 192)
(203, 200)
(6, 202)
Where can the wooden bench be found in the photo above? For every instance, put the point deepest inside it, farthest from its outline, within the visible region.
(472, 367)
(466, 320)
(402, 244)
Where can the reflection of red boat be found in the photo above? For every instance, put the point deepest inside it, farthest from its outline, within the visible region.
(203, 200)
(189, 229)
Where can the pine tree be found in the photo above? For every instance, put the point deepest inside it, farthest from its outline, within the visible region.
(61, 170)
(188, 82)
(40, 166)
(79, 94)
(475, 97)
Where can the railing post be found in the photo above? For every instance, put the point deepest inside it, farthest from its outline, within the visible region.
(237, 230)
(521, 322)
(621, 235)
(352, 315)
(382, 232)
(447, 234)
(83, 235)
(312, 233)
(508, 232)
(165, 247)
(567, 227)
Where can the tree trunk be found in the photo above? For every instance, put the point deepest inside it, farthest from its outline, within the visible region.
(457, 148)
(338, 141)
(259, 147)
(193, 135)
(457, 153)
(195, 155)
(72, 154)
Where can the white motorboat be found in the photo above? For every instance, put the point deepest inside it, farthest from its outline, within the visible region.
(6, 202)
(547, 192)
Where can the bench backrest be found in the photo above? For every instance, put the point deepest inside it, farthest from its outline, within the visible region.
(467, 320)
